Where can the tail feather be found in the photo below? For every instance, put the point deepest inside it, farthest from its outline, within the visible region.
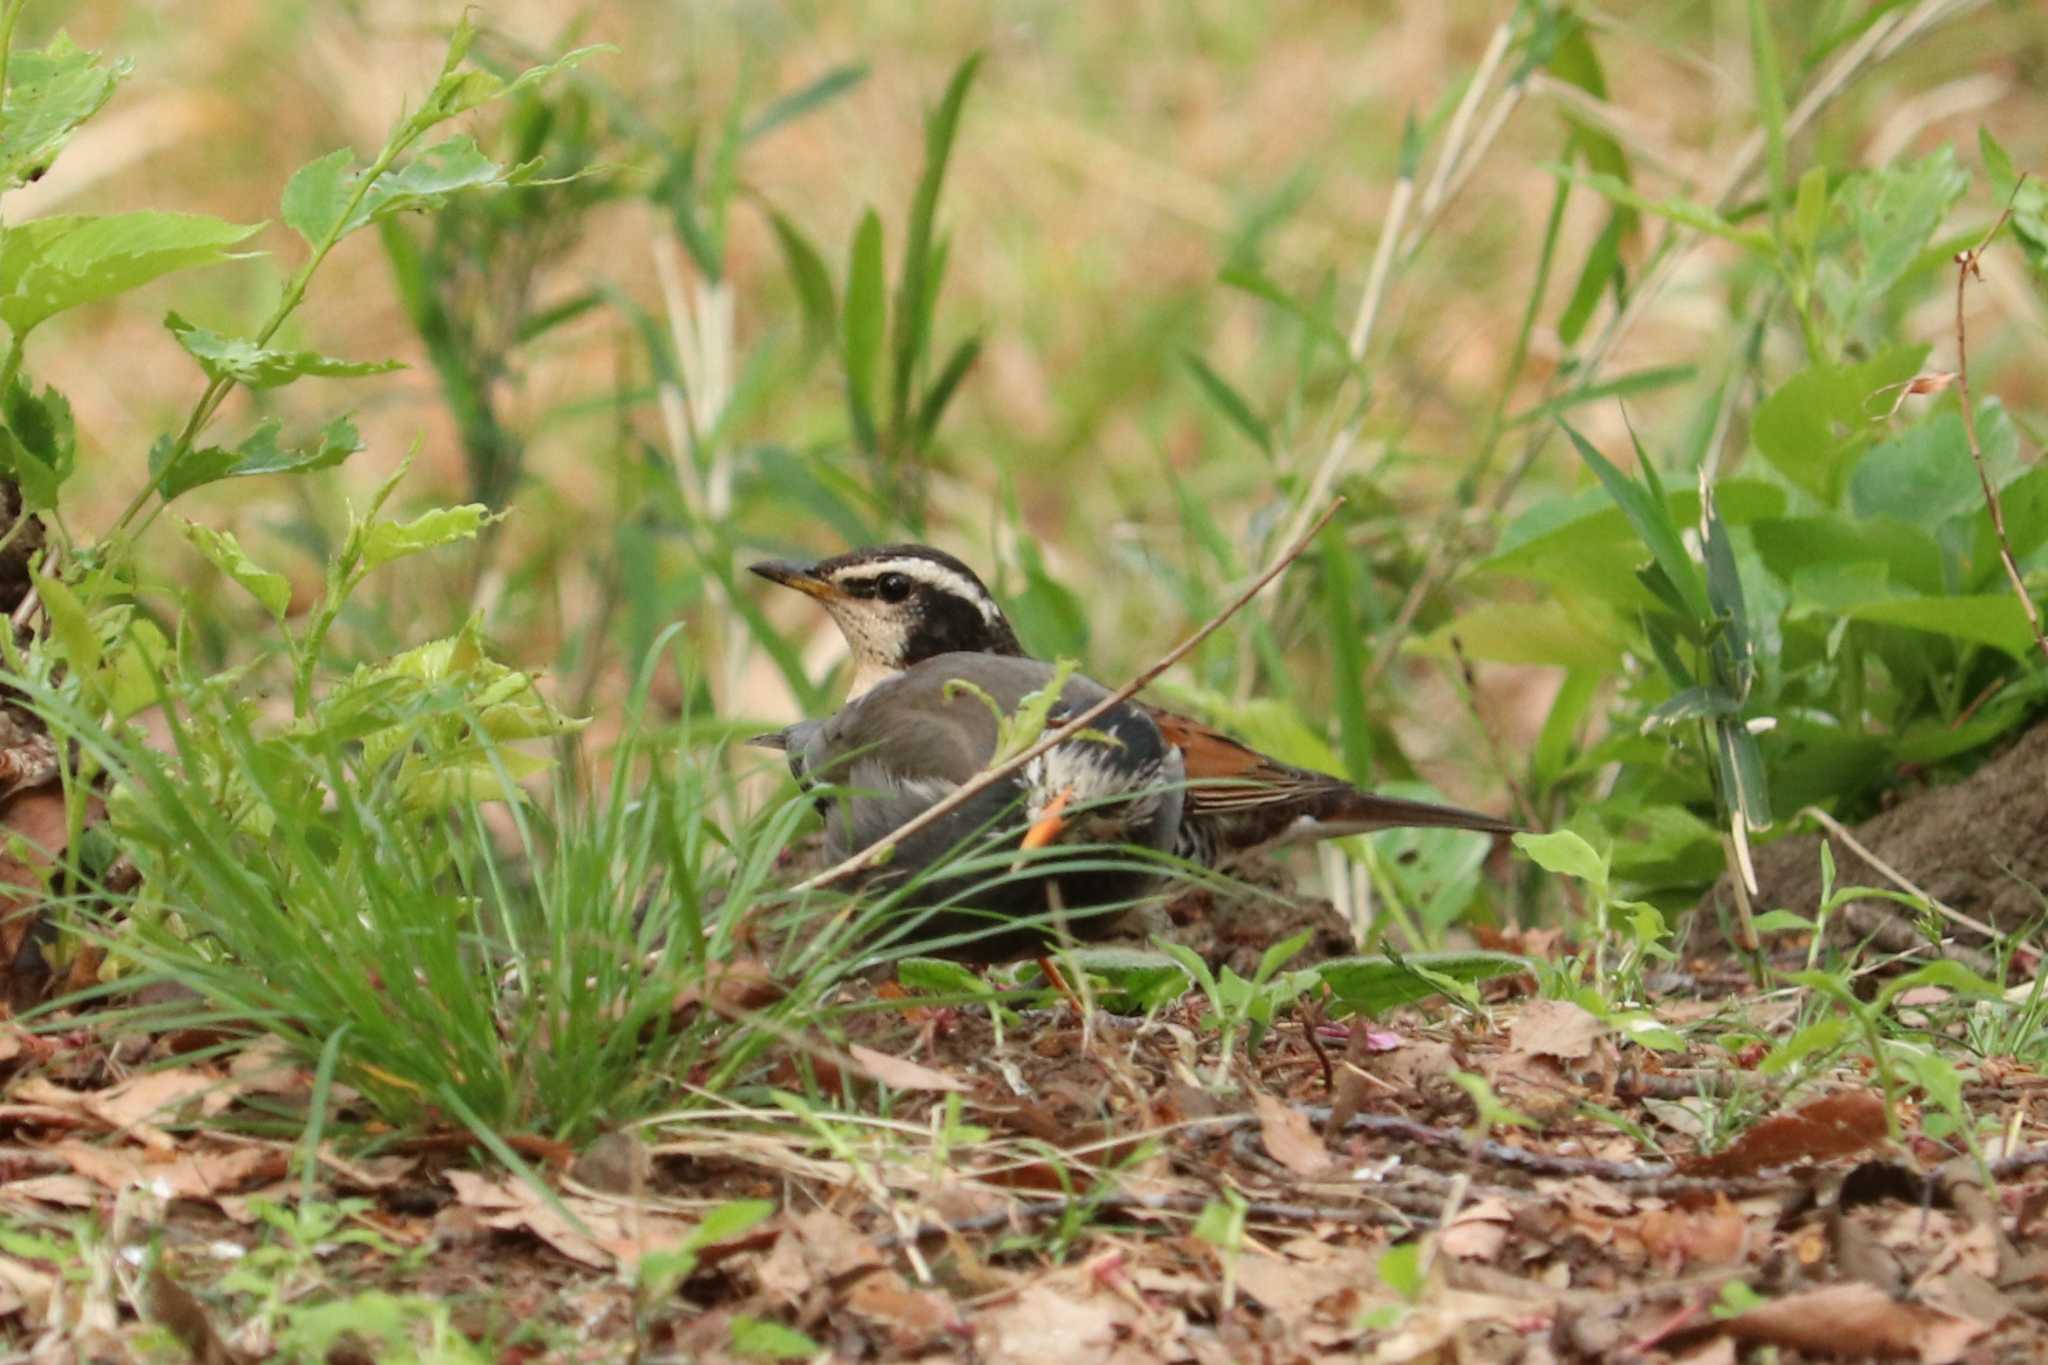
(1351, 811)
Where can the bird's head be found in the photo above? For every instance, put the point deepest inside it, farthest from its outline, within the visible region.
(898, 605)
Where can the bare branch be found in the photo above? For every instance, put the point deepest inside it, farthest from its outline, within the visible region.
(1966, 266)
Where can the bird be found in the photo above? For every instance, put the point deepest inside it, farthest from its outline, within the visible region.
(920, 734)
(898, 605)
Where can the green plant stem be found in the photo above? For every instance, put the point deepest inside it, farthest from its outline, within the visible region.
(11, 366)
(217, 391)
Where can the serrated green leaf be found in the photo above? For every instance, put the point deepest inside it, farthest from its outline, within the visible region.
(317, 199)
(49, 93)
(225, 553)
(70, 623)
(389, 540)
(260, 367)
(41, 446)
(260, 453)
(48, 265)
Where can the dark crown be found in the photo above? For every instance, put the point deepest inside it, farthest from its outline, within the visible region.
(949, 609)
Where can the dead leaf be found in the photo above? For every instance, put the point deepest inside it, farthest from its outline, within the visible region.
(915, 1319)
(1714, 1235)
(68, 1189)
(1832, 1126)
(1049, 1324)
(1555, 1028)
(138, 1104)
(610, 1234)
(186, 1175)
(899, 1073)
(1289, 1138)
(1478, 1232)
(1857, 1321)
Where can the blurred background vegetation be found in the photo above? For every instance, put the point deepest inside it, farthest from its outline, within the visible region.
(1156, 226)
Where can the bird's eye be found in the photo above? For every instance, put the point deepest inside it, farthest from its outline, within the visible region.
(892, 587)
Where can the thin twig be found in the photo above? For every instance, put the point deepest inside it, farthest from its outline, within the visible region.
(982, 781)
(1892, 875)
(1966, 266)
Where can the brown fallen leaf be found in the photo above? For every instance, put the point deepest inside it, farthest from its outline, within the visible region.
(188, 1174)
(1856, 1321)
(1052, 1324)
(1555, 1028)
(1832, 1126)
(138, 1104)
(916, 1320)
(1289, 1138)
(900, 1073)
(1478, 1232)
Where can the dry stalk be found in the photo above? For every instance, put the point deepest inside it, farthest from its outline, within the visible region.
(982, 781)
(1966, 266)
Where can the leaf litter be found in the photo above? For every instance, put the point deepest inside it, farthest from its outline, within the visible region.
(1098, 1194)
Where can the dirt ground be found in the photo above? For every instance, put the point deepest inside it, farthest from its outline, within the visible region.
(1108, 1190)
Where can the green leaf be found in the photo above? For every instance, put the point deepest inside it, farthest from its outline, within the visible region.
(72, 626)
(1994, 619)
(49, 93)
(317, 199)
(864, 325)
(388, 540)
(260, 453)
(1231, 404)
(41, 445)
(918, 286)
(1566, 854)
(760, 1339)
(1374, 985)
(941, 392)
(1949, 976)
(225, 553)
(136, 672)
(1683, 212)
(50, 264)
(1925, 476)
(260, 367)
(807, 271)
(1894, 212)
(1651, 517)
(2028, 199)
(1816, 421)
(803, 100)
(1574, 633)
(1135, 979)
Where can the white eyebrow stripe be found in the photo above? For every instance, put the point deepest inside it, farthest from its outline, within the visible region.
(935, 575)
